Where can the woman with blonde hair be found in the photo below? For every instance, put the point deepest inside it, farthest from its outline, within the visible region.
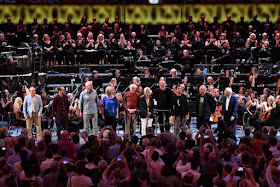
(101, 46)
(18, 118)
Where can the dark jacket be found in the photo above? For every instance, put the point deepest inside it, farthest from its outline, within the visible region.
(208, 102)
(232, 108)
(143, 107)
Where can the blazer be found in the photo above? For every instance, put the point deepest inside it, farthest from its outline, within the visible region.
(143, 107)
(27, 105)
(208, 100)
(232, 108)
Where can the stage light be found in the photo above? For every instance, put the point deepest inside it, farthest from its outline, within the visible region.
(154, 2)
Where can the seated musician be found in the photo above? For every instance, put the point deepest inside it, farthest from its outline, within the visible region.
(47, 110)
(140, 55)
(118, 74)
(265, 118)
(210, 81)
(11, 67)
(174, 73)
(167, 56)
(74, 118)
(3, 41)
(276, 113)
(6, 104)
(146, 74)
(159, 47)
(241, 109)
(18, 118)
(46, 99)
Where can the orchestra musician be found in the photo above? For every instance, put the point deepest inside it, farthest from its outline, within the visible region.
(75, 121)
(60, 110)
(7, 104)
(276, 112)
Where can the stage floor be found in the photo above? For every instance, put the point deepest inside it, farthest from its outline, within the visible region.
(120, 132)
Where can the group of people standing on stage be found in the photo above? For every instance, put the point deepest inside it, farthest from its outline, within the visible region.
(160, 106)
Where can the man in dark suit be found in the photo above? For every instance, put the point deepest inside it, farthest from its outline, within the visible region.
(229, 110)
(205, 106)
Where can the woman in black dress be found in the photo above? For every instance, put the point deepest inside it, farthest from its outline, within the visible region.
(48, 49)
(100, 46)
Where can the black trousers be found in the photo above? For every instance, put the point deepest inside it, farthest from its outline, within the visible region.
(163, 117)
(111, 120)
(200, 120)
(61, 122)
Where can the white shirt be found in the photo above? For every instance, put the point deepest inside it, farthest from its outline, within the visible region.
(33, 104)
(227, 102)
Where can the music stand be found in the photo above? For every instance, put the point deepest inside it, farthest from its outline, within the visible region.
(143, 63)
(147, 82)
(196, 80)
(131, 52)
(224, 82)
(167, 64)
(263, 79)
(173, 81)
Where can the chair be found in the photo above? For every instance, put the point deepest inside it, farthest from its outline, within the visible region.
(11, 125)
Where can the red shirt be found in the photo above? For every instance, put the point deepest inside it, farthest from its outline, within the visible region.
(131, 100)
(70, 147)
(60, 105)
(257, 145)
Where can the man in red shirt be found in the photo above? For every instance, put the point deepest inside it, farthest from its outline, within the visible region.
(257, 143)
(66, 143)
(60, 110)
(131, 102)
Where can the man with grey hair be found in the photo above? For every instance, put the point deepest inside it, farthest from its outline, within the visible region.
(163, 97)
(32, 111)
(205, 105)
(88, 104)
(229, 110)
(130, 103)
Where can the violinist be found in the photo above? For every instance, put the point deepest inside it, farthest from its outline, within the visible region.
(47, 102)
(276, 113)
(7, 104)
(265, 117)
(75, 121)
(45, 99)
